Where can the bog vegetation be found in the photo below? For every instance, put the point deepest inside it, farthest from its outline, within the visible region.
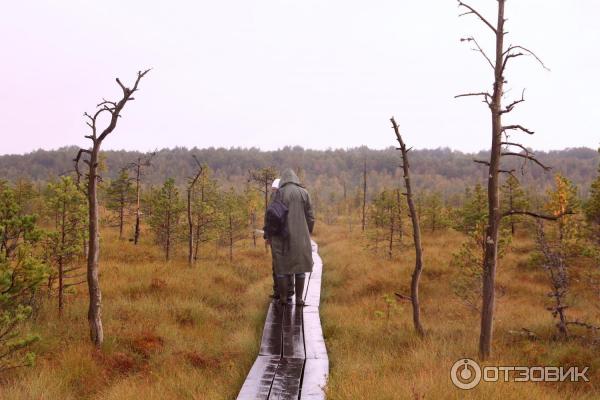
(178, 331)
(428, 257)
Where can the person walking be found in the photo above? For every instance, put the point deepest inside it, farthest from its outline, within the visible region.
(292, 250)
(290, 291)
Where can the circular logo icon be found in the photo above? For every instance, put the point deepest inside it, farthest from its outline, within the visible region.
(465, 374)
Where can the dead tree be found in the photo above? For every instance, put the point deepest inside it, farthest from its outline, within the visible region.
(190, 193)
(501, 147)
(97, 136)
(364, 204)
(554, 265)
(138, 167)
(416, 275)
(554, 262)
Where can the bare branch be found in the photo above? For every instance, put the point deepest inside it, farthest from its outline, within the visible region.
(517, 127)
(527, 156)
(76, 162)
(116, 110)
(516, 145)
(403, 297)
(584, 324)
(487, 95)
(510, 107)
(487, 98)
(479, 49)
(504, 171)
(473, 11)
(535, 215)
(508, 53)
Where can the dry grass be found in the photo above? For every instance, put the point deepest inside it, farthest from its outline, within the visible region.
(171, 331)
(378, 359)
(174, 332)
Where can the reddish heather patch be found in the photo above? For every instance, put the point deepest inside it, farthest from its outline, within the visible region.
(147, 343)
(201, 361)
(118, 363)
(158, 284)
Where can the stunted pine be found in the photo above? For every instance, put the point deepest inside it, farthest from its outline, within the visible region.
(234, 222)
(120, 195)
(138, 167)
(384, 217)
(22, 271)
(513, 198)
(66, 206)
(165, 220)
(205, 210)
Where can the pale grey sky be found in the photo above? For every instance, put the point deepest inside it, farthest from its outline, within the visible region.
(271, 73)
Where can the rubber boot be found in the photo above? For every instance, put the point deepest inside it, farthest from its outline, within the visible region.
(282, 287)
(299, 284)
(275, 294)
(290, 291)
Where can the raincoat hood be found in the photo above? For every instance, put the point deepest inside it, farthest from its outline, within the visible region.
(289, 176)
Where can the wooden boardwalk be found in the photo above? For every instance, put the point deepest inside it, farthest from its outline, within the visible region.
(292, 362)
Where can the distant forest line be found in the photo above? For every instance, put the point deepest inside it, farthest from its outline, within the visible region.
(331, 172)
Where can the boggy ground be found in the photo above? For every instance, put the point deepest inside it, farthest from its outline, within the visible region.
(175, 332)
(373, 357)
(171, 331)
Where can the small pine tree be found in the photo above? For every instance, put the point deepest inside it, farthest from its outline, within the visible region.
(384, 221)
(205, 209)
(434, 212)
(22, 272)
(564, 203)
(234, 222)
(165, 220)
(120, 196)
(513, 197)
(66, 204)
(470, 257)
(592, 209)
(473, 211)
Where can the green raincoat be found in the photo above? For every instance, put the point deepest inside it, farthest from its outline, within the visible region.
(294, 255)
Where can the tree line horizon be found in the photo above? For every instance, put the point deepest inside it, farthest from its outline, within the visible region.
(448, 171)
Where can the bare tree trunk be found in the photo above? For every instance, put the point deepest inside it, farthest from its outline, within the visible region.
(230, 239)
(121, 216)
(136, 234)
(60, 261)
(364, 204)
(391, 238)
(253, 217)
(190, 228)
(190, 192)
(168, 230)
(60, 288)
(490, 260)
(416, 275)
(95, 294)
(198, 239)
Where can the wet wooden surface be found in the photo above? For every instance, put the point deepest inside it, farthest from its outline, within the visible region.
(292, 362)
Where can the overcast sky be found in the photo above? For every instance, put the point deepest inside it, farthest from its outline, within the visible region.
(271, 73)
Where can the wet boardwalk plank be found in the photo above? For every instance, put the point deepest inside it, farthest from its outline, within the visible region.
(292, 361)
(260, 379)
